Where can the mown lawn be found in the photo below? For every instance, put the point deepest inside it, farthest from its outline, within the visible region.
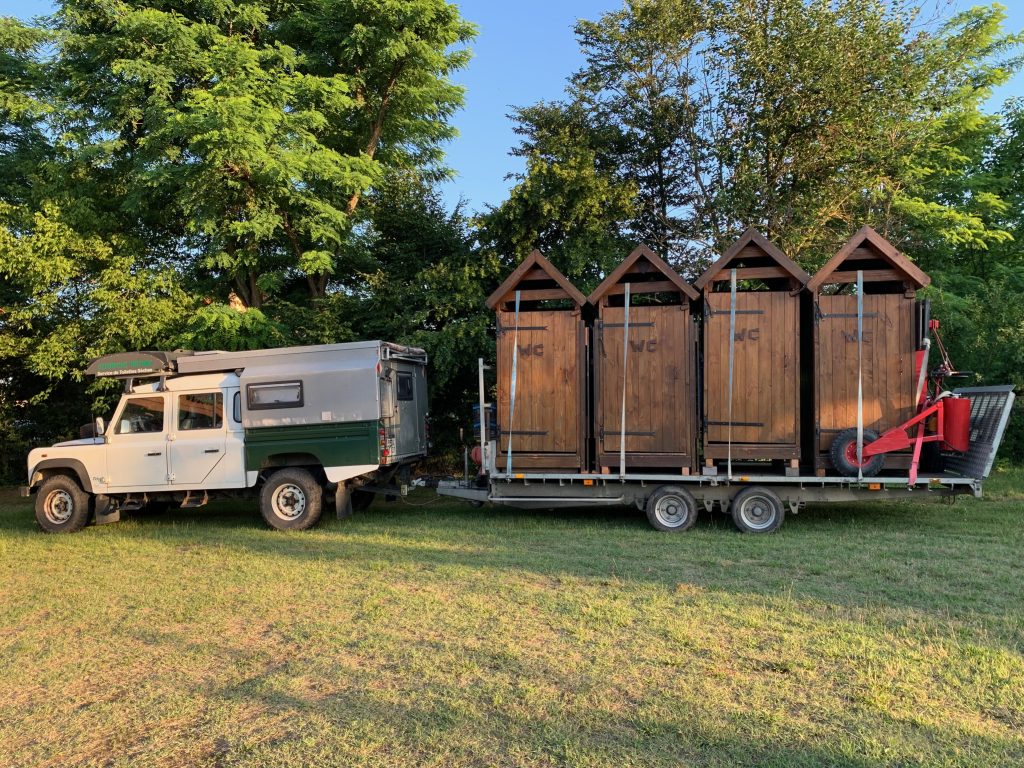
(443, 635)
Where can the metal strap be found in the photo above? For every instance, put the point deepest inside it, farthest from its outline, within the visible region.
(860, 375)
(512, 392)
(622, 413)
(732, 358)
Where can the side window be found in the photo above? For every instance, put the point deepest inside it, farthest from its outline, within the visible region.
(404, 386)
(200, 410)
(236, 408)
(278, 394)
(141, 414)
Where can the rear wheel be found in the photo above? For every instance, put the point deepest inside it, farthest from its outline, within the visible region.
(671, 509)
(291, 500)
(844, 454)
(61, 505)
(757, 510)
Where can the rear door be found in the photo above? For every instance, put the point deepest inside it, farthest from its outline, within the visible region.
(197, 439)
(409, 407)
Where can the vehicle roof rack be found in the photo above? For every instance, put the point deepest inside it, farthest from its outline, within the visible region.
(136, 365)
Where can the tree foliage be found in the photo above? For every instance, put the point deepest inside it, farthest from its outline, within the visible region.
(805, 119)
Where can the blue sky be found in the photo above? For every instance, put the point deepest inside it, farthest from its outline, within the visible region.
(523, 53)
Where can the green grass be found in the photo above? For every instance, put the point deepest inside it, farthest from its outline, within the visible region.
(443, 635)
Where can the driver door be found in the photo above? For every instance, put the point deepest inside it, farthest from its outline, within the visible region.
(137, 445)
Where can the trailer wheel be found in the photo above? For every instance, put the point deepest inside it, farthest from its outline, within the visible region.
(671, 509)
(61, 505)
(291, 500)
(757, 510)
(844, 454)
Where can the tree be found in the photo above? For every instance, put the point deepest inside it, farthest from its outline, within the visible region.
(805, 120)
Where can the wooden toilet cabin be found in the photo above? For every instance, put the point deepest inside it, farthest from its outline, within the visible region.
(751, 295)
(644, 368)
(889, 339)
(541, 370)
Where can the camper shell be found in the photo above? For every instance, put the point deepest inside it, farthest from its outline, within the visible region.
(190, 426)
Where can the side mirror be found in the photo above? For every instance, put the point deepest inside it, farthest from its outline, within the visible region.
(100, 426)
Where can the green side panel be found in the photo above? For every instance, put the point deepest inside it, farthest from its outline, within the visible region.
(335, 445)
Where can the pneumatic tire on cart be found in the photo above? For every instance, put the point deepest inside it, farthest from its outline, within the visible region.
(291, 500)
(844, 454)
(671, 509)
(757, 509)
(61, 505)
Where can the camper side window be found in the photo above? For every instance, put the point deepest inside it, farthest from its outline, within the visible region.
(404, 386)
(278, 394)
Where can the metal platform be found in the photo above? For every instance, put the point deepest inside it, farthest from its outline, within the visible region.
(964, 473)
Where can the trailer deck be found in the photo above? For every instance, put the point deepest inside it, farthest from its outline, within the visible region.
(964, 473)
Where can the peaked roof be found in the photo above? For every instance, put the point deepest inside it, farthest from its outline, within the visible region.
(535, 261)
(903, 268)
(753, 237)
(626, 267)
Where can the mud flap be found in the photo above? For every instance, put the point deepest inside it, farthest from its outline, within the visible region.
(343, 501)
(106, 511)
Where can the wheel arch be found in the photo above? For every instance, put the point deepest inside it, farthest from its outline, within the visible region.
(50, 467)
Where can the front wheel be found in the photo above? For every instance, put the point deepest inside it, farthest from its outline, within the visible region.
(291, 500)
(61, 505)
(671, 509)
(844, 454)
(757, 510)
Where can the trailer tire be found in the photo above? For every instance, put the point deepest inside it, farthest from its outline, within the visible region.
(291, 500)
(61, 505)
(844, 454)
(757, 509)
(671, 509)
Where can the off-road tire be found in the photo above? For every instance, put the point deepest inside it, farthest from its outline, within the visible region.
(844, 454)
(291, 500)
(671, 509)
(62, 506)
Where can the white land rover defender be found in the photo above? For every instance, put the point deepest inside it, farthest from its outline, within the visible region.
(288, 425)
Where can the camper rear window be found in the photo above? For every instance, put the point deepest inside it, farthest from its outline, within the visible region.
(278, 394)
(404, 386)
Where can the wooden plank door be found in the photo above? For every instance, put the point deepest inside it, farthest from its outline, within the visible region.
(766, 374)
(888, 363)
(546, 418)
(658, 379)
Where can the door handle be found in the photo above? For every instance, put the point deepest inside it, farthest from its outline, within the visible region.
(212, 450)
(156, 453)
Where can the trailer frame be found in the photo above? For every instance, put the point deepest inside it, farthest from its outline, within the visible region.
(990, 413)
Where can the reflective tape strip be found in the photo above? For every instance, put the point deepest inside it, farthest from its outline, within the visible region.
(512, 391)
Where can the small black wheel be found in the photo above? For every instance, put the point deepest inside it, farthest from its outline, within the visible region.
(61, 505)
(844, 454)
(291, 500)
(757, 510)
(671, 509)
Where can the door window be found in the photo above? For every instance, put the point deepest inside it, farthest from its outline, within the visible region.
(140, 415)
(404, 386)
(200, 410)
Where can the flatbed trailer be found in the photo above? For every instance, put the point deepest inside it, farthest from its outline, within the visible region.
(757, 501)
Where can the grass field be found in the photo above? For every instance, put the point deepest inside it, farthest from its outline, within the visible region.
(443, 635)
